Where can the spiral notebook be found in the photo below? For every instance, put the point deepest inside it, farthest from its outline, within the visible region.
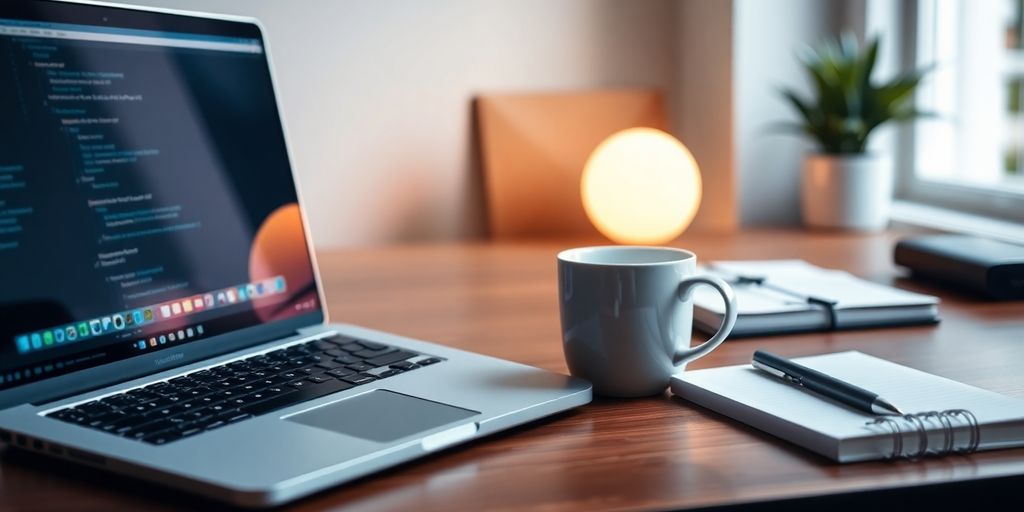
(949, 416)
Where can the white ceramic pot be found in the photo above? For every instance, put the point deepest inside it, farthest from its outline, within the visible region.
(847, 192)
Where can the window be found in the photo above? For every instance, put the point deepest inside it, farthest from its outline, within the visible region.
(970, 155)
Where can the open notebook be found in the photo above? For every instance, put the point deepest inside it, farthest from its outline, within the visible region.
(777, 296)
(847, 435)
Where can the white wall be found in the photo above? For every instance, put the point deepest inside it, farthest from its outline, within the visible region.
(767, 35)
(377, 93)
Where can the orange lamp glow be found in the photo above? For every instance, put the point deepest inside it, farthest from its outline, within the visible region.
(641, 186)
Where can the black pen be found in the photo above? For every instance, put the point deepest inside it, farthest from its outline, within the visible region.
(822, 384)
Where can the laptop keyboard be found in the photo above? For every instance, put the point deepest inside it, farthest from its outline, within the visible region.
(208, 399)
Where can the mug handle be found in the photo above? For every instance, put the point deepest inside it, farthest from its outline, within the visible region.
(686, 287)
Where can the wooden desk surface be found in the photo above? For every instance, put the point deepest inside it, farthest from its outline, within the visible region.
(660, 452)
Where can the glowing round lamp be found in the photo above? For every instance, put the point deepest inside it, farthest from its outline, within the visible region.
(641, 186)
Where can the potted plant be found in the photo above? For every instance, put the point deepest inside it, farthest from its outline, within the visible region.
(843, 185)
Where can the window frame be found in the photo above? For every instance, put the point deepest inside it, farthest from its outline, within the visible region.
(989, 202)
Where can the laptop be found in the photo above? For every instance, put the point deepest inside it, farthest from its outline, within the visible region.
(161, 315)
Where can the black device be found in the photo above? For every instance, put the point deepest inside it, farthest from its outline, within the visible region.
(989, 267)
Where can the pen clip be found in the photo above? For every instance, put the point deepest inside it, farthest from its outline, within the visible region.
(777, 373)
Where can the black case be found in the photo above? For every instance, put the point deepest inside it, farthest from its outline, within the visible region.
(989, 267)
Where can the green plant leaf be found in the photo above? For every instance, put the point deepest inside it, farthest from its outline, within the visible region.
(847, 106)
(867, 67)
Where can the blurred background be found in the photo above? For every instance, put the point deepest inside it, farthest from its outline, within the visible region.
(377, 98)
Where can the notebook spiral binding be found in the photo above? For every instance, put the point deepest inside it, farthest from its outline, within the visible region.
(950, 421)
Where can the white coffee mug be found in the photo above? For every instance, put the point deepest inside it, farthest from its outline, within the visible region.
(627, 316)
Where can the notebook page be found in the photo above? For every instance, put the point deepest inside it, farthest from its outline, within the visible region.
(909, 389)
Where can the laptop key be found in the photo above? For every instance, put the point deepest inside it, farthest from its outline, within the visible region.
(352, 347)
(176, 398)
(142, 395)
(147, 429)
(220, 408)
(338, 339)
(254, 397)
(195, 415)
(391, 358)
(360, 367)
(160, 402)
(227, 394)
(290, 375)
(166, 412)
(371, 345)
(119, 401)
(207, 400)
(106, 419)
(197, 392)
(340, 372)
(306, 361)
(244, 400)
(274, 391)
(204, 377)
(323, 345)
(358, 379)
(127, 424)
(347, 359)
(93, 409)
(368, 354)
(157, 388)
(280, 401)
(70, 416)
(137, 409)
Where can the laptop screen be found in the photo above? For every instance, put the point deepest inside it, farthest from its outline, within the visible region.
(146, 197)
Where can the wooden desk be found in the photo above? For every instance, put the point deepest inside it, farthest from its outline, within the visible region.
(613, 454)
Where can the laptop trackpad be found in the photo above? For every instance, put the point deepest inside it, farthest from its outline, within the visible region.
(381, 416)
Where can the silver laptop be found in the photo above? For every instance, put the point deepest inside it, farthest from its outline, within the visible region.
(160, 310)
